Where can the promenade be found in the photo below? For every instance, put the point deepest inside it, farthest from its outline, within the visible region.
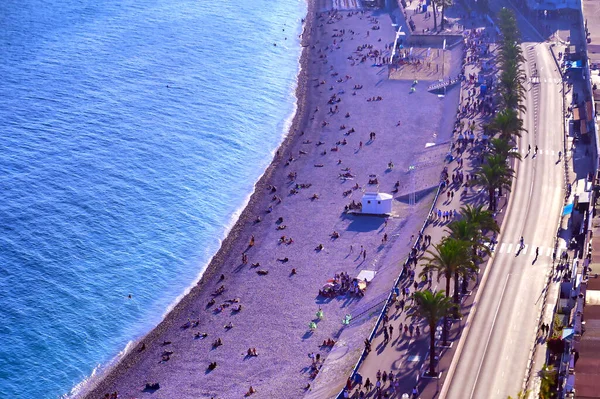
(400, 351)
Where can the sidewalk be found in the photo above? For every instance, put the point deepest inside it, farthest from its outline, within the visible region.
(405, 354)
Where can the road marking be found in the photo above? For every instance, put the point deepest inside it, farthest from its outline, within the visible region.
(502, 247)
(508, 248)
(549, 252)
(487, 342)
(525, 249)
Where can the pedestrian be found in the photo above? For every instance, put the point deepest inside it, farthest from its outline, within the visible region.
(386, 336)
(391, 328)
(378, 375)
(384, 377)
(364, 254)
(411, 328)
(415, 392)
(368, 384)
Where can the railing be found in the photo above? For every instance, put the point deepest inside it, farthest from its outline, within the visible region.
(388, 301)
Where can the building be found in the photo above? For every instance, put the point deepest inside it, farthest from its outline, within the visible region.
(377, 203)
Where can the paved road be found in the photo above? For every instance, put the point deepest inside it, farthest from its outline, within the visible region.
(502, 333)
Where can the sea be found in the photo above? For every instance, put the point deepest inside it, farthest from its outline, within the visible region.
(132, 134)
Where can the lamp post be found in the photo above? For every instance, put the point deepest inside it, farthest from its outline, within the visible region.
(444, 64)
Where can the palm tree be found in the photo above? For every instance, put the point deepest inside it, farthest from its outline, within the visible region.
(471, 235)
(450, 258)
(482, 218)
(502, 147)
(431, 307)
(512, 78)
(494, 176)
(502, 162)
(507, 22)
(434, 4)
(512, 100)
(508, 124)
(445, 3)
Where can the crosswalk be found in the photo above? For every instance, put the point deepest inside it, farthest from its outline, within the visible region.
(527, 249)
(538, 80)
(523, 152)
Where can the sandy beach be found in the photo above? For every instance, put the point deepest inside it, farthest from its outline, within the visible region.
(352, 121)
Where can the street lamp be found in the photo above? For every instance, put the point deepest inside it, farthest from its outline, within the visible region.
(443, 65)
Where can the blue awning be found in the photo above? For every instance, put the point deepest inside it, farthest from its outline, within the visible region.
(567, 209)
(567, 333)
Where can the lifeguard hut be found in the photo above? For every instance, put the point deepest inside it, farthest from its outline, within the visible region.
(377, 203)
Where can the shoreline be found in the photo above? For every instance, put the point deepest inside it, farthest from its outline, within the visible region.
(277, 307)
(93, 385)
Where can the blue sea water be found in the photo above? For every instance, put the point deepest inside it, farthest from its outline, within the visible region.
(132, 134)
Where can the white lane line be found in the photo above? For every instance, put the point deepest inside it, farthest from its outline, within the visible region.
(502, 247)
(549, 252)
(525, 249)
(487, 342)
(508, 248)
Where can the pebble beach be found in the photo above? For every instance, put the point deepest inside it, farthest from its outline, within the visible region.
(354, 126)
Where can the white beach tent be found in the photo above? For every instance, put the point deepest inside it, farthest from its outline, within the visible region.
(377, 203)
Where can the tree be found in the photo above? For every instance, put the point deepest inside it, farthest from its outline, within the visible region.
(431, 307)
(494, 176)
(445, 3)
(471, 228)
(434, 4)
(502, 147)
(508, 124)
(482, 218)
(549, 382)
(521, 395)
(450, 258)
